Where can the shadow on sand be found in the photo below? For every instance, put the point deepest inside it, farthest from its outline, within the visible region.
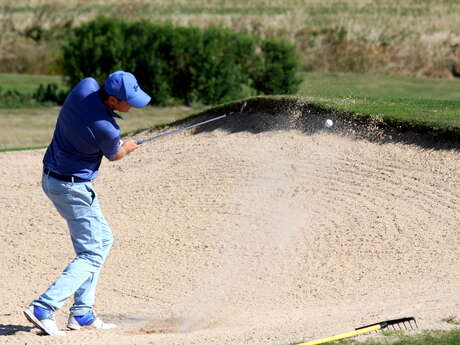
(13, 329)
(272, 114)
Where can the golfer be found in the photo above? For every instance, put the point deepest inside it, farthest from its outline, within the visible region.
(85, 131)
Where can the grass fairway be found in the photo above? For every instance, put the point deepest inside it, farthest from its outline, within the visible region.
(349, 85)
(26, 83)
(417, 101)
(32, 128)
(434, 103)
(425, 338)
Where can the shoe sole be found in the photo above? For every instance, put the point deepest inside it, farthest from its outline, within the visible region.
(31, 317)
(89, 327)
(73, 328)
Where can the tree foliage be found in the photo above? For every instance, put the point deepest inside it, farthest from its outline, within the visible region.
(185, 64)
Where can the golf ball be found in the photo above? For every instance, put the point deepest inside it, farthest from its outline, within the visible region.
(328, 123)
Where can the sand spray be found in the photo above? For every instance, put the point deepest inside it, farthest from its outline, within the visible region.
(267, 221)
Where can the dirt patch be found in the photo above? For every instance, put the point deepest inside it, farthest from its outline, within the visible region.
(254, 230)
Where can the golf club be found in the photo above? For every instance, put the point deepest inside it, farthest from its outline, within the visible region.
(139, 142)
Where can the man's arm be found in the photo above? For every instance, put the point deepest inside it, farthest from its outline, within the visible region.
(126, 148)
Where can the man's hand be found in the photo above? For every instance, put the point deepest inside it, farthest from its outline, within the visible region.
(125, 149)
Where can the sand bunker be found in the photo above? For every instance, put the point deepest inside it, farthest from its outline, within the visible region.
(256, 230)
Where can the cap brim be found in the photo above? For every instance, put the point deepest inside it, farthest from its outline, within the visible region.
(140, 100)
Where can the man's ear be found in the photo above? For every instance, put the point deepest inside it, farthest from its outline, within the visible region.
(112, 102)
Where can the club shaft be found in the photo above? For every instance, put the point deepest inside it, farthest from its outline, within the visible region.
(181, 129)
(188, 127)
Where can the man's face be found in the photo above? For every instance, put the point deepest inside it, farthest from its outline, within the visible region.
(122, 106)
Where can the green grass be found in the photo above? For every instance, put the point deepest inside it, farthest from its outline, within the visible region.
(33, 127)
(425, 338)
(26, 83)
(405, 100)
(433, 103)
(340, 85)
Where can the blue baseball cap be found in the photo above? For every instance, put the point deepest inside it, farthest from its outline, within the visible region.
(123, 85)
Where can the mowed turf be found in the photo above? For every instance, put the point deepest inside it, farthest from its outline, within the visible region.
(27, 83)
(434, 103)
(425, 338)
(33, 127)
(416, 101)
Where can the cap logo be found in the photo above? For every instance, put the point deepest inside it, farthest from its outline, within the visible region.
(136, 87)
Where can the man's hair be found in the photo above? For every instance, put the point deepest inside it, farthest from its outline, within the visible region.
(103, 94)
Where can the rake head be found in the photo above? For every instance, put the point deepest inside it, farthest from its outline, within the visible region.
(405, 323)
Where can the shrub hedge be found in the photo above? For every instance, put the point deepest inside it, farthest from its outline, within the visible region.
(14, 98)
(50, 93)
(184, 64)
(44, 94)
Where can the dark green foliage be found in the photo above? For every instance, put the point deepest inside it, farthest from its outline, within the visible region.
(183, 64)
(94, 49)
(277, 72)
(44, 94)
(50, 93)
(14, 98)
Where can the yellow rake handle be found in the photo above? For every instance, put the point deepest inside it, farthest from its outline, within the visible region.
(344, 335)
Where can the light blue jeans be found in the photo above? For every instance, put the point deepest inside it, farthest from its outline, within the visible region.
(91, 239)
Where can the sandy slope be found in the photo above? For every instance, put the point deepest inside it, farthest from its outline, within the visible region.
(267, 236)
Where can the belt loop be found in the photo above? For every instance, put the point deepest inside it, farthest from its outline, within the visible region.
(73, 179)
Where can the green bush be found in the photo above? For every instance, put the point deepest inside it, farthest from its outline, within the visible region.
(95, 48)
(277, 73)
(185, 64)
(44, 94)
(14, 99)
(49, 93)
